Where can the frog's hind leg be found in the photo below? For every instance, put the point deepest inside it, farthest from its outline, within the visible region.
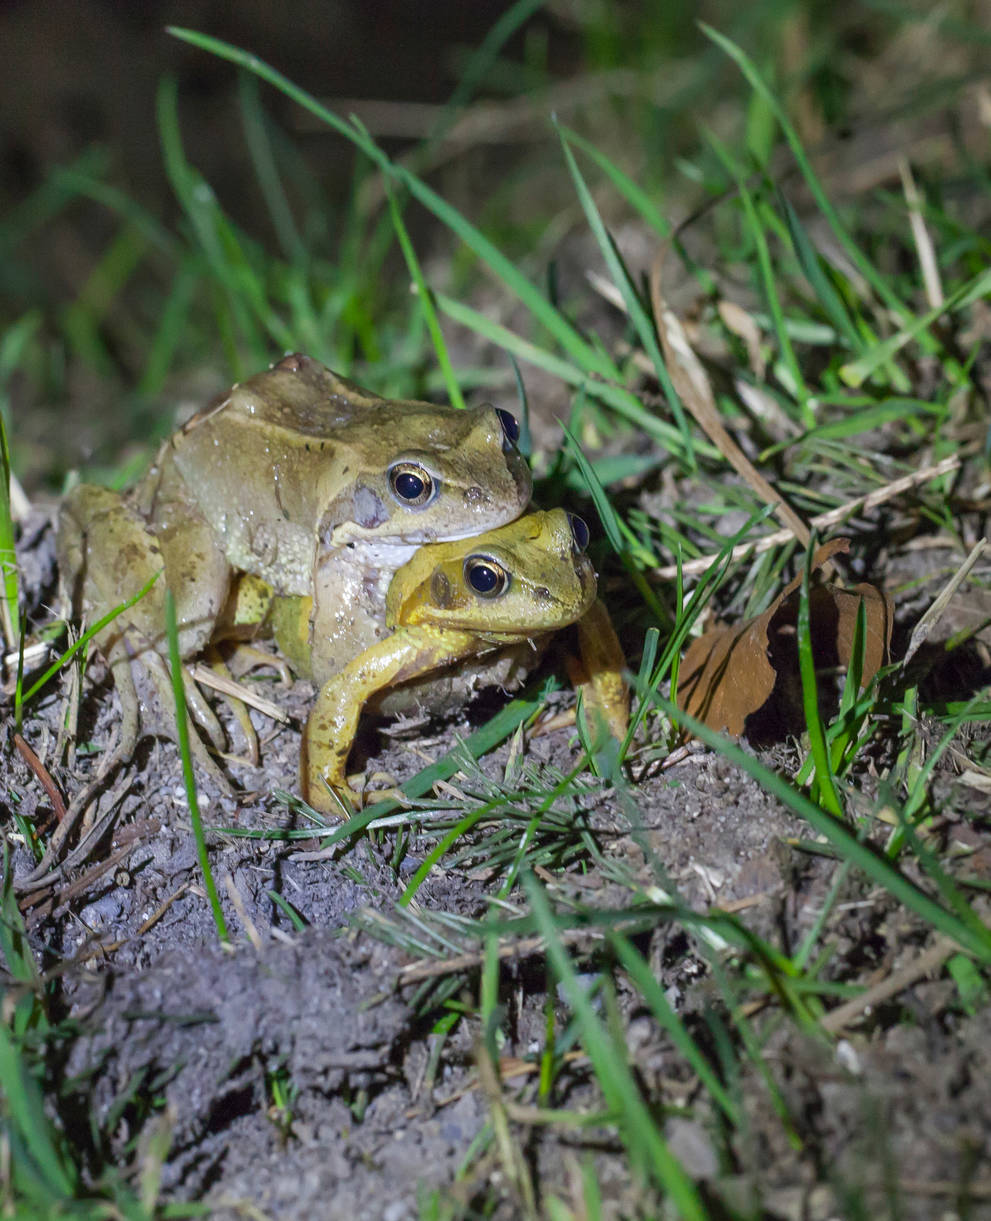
(157, 670)
(600, 678)
(152, 665)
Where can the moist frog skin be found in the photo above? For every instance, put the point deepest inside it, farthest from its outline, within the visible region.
(294, 469)
(458, 616)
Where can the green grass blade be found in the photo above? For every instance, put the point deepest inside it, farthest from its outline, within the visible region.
(426, 302)
(668, 1020)
(26, 1115)
(87, 636)
(287, 909)
(14, 946)
(621, 538)
(9, 616)
(835, 832)
(440, 849)
(587, 356)
(844, 728)
(189, 780)
(824, 780)
(635, 195)
(858, 371)
(648, 1150)
(863, 414)
(247, 314)
(476, 744)
(80, 181)
(172, 322)
(623, 401)
(256, 134)
(644, 326)
(812, 266)
(767, 275)
(525, 443)
(823, 202)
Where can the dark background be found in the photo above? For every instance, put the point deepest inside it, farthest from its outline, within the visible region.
(81, 72)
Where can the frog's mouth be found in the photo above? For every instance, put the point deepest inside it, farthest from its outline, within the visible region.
(351, 537)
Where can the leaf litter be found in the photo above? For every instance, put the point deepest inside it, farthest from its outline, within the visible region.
(732, 670)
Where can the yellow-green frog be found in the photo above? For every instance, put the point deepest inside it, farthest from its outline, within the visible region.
(458, 616)
(295, 472)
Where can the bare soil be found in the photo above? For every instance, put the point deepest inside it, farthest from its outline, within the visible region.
(176, 1034)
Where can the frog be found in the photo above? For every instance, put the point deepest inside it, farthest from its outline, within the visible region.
(292, 472)
(457, 616)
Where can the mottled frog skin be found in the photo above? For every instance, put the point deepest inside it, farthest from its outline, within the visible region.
(458, 616)
(298, 477)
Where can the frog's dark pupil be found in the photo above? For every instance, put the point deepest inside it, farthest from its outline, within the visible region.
(579, 531)
(510, 428)
(484, 578)
(408, 485)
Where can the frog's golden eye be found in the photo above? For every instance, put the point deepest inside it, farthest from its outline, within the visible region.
(412, 484)
(579, 531)
(510, 428)
(487, 578)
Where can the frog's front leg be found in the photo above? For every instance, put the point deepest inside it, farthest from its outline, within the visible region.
(333, 721)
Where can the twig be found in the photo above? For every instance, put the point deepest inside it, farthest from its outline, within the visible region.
(228, 686)
(840, 1017)
(462, 962)
(241, 911)
(822, 522)
(35, 655)
(695, 392)
(924, 628)
(60, 901)
(42, 775)
(47, 871)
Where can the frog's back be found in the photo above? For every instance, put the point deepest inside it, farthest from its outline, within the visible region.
(298, 396)
(297, 452)
(260, 460)
(302, 397)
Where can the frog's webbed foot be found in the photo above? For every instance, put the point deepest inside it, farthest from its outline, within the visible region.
(122, 659)
(356, 793)
(379, 786)
(238, 707)
(244, 657)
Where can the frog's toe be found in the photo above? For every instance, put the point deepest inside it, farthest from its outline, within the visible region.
(201, 711)
(162, 721)
(244, 658)
(130, 707)
(379, 786)
(333, 801)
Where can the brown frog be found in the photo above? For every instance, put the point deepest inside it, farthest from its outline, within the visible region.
(458, 616)
(296, 476)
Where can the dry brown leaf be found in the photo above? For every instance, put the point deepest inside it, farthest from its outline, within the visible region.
(730, 672)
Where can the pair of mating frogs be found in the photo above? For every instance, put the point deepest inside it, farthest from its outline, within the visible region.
(385, 544)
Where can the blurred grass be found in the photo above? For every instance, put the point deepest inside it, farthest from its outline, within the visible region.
(824, 386)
